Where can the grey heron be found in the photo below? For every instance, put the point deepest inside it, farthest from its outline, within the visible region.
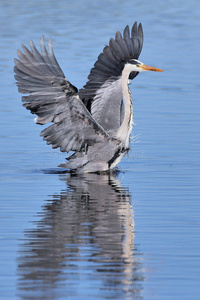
(96, 121)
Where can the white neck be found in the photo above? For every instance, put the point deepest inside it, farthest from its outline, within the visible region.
(125, 129)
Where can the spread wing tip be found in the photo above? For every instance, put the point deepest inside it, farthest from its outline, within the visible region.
(110, 62)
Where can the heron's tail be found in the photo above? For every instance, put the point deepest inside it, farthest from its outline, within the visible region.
(76, 161)
(82, 162)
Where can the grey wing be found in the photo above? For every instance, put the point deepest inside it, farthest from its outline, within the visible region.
(108, 68)
(54, 99)
(107, 105)
(74, 128)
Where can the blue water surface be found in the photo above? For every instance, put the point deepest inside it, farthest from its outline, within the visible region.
(131, 236)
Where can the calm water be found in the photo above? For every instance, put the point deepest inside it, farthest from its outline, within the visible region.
(135, 235)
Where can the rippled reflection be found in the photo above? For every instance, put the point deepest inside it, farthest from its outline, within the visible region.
(84, 238)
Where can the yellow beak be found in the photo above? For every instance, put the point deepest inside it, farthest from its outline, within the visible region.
(148, 68)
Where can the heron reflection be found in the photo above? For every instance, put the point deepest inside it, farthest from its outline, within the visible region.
(85, 235)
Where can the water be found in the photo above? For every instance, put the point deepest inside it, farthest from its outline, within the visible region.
(82, 243)
(135, 235)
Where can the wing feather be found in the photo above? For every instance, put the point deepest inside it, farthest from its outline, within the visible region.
(110, 62)
(54, 99)
(128, 40)
(53, 59)
(106, 107)
(122, 45)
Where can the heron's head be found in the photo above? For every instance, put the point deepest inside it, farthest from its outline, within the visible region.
(138, 66)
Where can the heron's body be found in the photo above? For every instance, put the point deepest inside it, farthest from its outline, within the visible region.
(94, 122)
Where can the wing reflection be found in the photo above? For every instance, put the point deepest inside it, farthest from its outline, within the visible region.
(83, 245)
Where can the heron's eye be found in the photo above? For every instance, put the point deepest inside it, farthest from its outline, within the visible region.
(138, 65)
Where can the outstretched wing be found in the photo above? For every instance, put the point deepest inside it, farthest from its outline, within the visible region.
(103, 89)
(54, 99)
